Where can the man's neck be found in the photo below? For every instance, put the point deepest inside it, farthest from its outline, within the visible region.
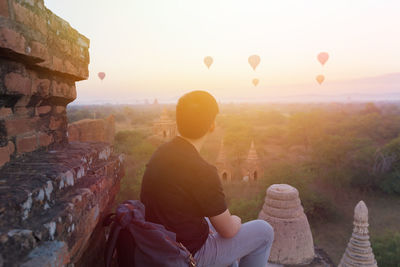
(197, 143)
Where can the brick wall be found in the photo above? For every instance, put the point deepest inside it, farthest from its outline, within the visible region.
(53, 194)
(89, 130)
(41, 58)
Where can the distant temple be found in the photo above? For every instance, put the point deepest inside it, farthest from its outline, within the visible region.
(164, 127)
(251, 169)
(223, 166)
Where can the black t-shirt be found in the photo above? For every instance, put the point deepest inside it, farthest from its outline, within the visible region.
(179, 189)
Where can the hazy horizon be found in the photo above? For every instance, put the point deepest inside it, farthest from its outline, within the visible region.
(380, 88)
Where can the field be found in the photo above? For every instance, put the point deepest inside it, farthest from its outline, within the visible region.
(334, 154)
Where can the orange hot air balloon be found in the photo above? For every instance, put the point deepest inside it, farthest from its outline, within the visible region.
(255, 81)
(320, 78)
(323, 57)
(101, 75)
(254, 60)
(208, 61)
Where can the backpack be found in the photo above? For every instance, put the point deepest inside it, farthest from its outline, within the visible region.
(140, 243)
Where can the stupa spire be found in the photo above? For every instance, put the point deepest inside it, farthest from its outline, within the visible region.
(359, 251)
(164, 127)
(222, 154)
(224, 168)
(252, 156)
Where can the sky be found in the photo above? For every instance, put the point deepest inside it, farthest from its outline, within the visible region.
(155, 48)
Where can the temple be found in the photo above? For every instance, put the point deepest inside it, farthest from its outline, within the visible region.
(164, 128)
(223, 165)
(251, 169)
(57, 182)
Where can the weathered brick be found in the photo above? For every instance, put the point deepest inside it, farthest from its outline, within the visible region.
(5, 112)
(41, 86)
(65, 47)
(12, 40)
(41, 25)
(30, 2)
(54, 23)
(50, 253)
(71, 69)
(73, 133)
(17, 83)
(4, 8)
(84, 72)
(55, 123)
(39, 50)
(72, 92)
(23, 101)
(11, 147)
(75, 51)
(88, 130)
(63, 90)
(4, 155)
(29, 18)
(17, 126)
(26, 143)
(57, 64)
(59, 136)
(23, 15)
(24, 111)
(45, 139)
(59, 109)
(43, 109)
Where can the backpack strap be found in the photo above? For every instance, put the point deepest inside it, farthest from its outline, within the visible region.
(191, 260)
(112, 238)
(120, 221)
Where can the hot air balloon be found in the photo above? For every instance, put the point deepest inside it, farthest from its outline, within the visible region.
(255, 81)
(320, 78)
(323, 57)
(101, 75)
(254, 60)
(208, 61)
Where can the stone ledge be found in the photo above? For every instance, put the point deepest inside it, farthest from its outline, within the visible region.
(49, 254)
(90, 130)
(321, 259)
(56, 195)
(31, 33)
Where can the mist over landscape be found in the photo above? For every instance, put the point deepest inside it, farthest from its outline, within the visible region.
(378, 88)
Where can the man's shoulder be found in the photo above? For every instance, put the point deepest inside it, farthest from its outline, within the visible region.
(162, 152)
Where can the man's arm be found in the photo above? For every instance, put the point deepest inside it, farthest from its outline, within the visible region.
(227, 225)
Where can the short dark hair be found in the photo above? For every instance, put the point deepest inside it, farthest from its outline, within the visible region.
(195, 112)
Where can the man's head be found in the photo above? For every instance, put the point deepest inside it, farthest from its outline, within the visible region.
(195, 114)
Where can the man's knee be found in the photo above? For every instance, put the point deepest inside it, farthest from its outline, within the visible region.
(265, 230)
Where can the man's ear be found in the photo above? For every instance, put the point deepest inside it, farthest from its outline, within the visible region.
(212, 127)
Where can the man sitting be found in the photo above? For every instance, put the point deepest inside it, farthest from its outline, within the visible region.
(180, 190)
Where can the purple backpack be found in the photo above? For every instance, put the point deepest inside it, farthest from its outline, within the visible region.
(140, 243)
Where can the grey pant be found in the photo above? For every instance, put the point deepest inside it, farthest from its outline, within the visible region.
(250, 247)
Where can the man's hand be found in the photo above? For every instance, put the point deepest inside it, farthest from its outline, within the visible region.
(236, 219)
(227, 225)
